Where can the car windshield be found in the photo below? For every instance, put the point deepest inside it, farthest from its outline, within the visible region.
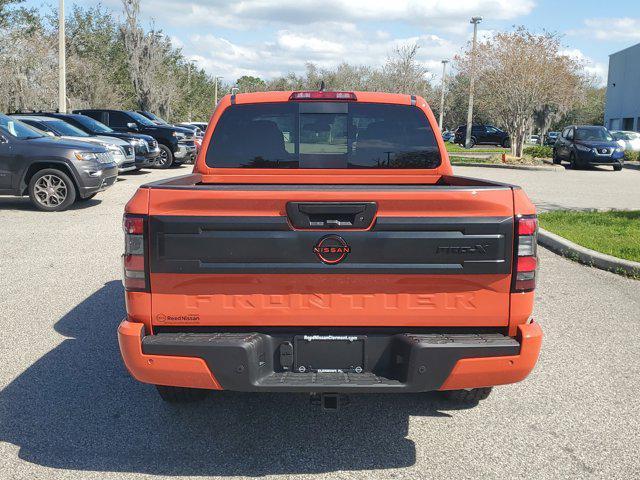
(63, 128)
(92, 125)
(598, 134)
(156, 118)
(18, 129)
(141, 119)
(323, 135)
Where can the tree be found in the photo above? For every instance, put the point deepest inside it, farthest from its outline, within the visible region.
(401, 73)
(589, 111)
(96, 61)
(247, 83)
(519, 74)
(148, 56)
(28, 69)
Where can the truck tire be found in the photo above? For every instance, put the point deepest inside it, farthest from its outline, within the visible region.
(181, 394)
(165, 159)
(51, 190)
(556, 159)
(467, 397)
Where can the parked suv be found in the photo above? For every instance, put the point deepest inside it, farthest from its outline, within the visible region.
(176, 144)
(121, 150)
(145, 147)
(197, 132)
(483, 135)
(54, 172)
(585, 145)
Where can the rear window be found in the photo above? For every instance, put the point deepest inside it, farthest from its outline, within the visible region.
(323, 135)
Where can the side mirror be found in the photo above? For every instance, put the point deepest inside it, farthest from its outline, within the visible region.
(132, 126)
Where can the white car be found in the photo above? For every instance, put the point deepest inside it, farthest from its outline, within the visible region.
(200, 126)
(122, 151)
(630, 141)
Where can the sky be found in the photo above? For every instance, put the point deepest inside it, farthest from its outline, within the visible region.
(268, 38)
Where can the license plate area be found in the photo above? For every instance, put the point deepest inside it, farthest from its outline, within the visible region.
(329, 353)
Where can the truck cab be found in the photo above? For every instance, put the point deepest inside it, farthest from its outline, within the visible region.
(322, 244)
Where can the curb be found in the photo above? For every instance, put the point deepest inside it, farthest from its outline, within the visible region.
(566, 248)
(554, 168)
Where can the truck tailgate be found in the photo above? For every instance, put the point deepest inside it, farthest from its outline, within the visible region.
(232, 255)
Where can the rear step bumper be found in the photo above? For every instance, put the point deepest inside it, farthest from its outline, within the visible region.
(395, 363)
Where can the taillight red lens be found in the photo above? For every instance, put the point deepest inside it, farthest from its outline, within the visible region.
(527, 264)
(134, 276)
(321, 95)
(528, 225)
(133, 225)
(526, 261)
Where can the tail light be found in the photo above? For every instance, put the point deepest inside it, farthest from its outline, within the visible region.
(322, 95)
(134, 278)
(526, 260)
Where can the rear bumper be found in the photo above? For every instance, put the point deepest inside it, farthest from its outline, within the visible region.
(397, 363)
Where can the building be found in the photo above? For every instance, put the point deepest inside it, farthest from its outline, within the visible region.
(622, 108)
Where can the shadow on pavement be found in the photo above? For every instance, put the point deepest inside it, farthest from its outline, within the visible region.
(77, 408)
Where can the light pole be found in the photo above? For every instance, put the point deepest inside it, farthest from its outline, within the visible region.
(475, 21)
(189, 67)
(62, 73)
(444, 80)
(215, 79)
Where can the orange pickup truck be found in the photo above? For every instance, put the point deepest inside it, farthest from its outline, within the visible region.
(322, 244)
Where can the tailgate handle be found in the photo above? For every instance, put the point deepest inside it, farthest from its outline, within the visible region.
(318, 215)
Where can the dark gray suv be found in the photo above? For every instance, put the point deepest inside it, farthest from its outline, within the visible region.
(53, 172)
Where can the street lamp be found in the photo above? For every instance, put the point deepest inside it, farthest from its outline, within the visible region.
(475, 21)
(62, 74)
(215, 79)
(444, 77)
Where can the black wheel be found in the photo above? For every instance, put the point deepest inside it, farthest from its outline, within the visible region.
(617, 167)
(467, 397)
(181, 394)
(51, 190)
(472, 142)
(506, 143)
(165, 159)
(556, 159)
(574, 161)
(80, 199)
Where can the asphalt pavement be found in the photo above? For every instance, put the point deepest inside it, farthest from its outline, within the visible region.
(69, 409)
(597, 188)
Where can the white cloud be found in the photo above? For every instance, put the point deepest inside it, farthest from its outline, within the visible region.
(326, 45)
(627, 29)
(246, 14)
(274, 37)
(597, 69)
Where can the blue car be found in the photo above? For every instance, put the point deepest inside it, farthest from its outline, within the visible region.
(586, 145)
